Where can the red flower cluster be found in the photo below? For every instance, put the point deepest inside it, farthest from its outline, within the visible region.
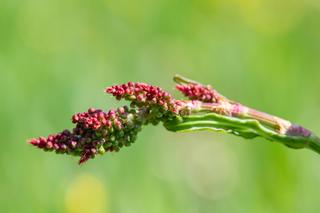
(95, 132)
(94, 119)
(60, 142)
(141, 94)
(199, 92)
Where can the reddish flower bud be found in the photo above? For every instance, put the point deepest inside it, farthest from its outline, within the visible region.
(142, 94)
(199, 92)
(95, 130)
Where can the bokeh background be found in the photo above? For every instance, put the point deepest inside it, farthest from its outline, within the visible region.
(56, 57)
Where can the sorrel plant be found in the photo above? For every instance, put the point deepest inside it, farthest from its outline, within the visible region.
(97, 132)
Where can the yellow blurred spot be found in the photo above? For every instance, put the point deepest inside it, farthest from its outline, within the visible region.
(86, 194)
(314, 3)
(271, 16)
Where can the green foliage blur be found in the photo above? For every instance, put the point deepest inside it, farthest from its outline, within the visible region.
(56, 57)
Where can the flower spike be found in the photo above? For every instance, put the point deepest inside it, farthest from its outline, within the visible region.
(141, 94)
(97, 132)
(196, 91)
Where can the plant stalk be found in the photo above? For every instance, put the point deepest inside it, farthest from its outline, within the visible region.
(228, 116)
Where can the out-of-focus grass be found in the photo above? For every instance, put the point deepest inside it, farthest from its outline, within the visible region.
(57, 56)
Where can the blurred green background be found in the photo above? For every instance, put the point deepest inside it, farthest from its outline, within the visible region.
(56, 57)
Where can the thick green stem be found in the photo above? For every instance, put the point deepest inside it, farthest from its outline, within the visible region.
(225, 106)
(247, 128)
(314, 143)
(237, 110)
(228, 116)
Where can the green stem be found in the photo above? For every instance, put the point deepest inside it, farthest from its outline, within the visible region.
(229, 116)
(246, 128)
(226, 106)
(239, 111)
(183, 80)
(314, 143)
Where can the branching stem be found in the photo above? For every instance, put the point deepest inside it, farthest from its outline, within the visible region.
(225, 115)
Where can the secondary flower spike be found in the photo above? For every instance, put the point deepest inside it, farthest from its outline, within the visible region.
(141, 94)
(197, 91)
(97, 132)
